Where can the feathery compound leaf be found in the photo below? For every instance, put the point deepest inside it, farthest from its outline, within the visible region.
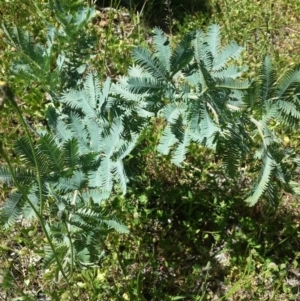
(71, 153)
(23, 149)
(268, 78)
(123, 90)
(23, 175)
(127, 147)
(182, 54)
(12, 209)
(110, 141)
(62, 131)
(5, 175)
(264, 180)
(162, 47)
(94, 196)
(229, 52)
(289, 109)
(206, 80)
(145, 59)
(105, 92)
(171, 112)
(229, 83)
(214, 40)
(144, 85)
(93, 92)
(120, 176)
(89, 213)
(79, 132)
(80, 100)
(233, 149)
(199, 47)
(138, 71)
(102, 177)
(28, 211)
(289, 81)
(120, 228)
(181, 148)
(167, 140)
(48, 149)
(83, 16)
(18, 39)
(78, 181)
(208, 130)
(95, 134)
(230, 72)
(49, 257)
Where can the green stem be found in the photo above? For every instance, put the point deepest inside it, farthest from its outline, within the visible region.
(40, 219)
(38, 213)
(38, 171)
(68, 225)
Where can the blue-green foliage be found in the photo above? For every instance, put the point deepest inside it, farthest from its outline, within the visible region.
(271, 99)
(81, 164)
(74, 204)
(60, 62)
(190, 87)
(194, 87)
(99, 125)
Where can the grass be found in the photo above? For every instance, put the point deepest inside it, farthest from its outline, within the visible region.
(192, 237)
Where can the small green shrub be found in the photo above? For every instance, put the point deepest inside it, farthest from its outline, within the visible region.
(194, 89)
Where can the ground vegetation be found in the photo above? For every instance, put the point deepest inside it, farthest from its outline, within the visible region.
(142, 163)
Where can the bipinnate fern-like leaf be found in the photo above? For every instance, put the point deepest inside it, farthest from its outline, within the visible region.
(144, 84)
(24, 151)
(181, 148)
(49, 152)
(103, 177)
(231, 51)
(78, 181)
(81, 162)
(88, 99)
(203, 100)
(71, 155)
(49, 256)
(12, 209)
(78, 100)
(194, 88)
(113, 224)
(53, 68)
(87, 213)
(23, 175)
(163, 48)
(198, 83)
(182, 54)
(167, 140)
(93, 120)
(264, 181)
(272, 99)
(151, 64)
(35, 58)
(16, 206)
(232, 84)
(207, 129)
(288, 82)
(81, 249)
(214, 40)
(268, 79)
(94, 196)
(233, 150)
